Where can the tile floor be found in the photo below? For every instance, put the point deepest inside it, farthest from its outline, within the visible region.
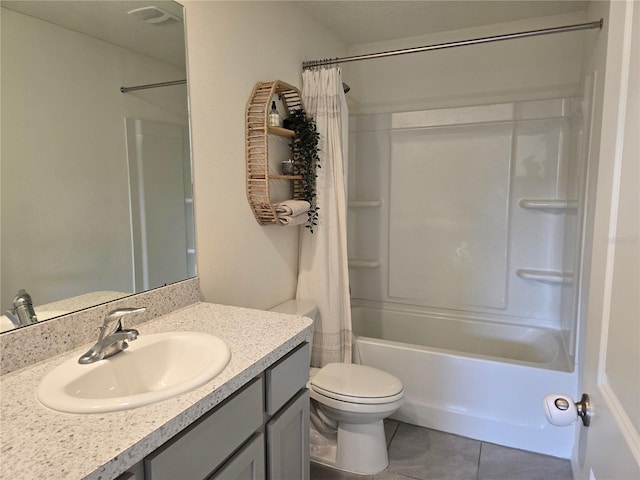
(417, 453)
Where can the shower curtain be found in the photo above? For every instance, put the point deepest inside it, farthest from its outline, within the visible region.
(324, 276)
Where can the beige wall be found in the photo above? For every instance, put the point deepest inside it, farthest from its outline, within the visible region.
(515, 70)
(230, 47)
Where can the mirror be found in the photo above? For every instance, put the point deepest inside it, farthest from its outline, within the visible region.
(96, 199)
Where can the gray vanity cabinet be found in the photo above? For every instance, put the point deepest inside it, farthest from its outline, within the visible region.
(288, 441)
(259, 433)
(287, 407)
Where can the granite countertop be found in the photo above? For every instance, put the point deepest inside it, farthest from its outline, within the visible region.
(39, 443)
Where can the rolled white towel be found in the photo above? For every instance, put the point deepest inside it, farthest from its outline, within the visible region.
(293, 220)
(292, 207)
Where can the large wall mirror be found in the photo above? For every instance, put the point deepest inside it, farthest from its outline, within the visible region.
(95, 183)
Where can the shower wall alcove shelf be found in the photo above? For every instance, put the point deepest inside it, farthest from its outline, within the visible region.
(364, 203)
(548, 276)
(257, 143)
(364, 263)
(356, 262)
(549, 205)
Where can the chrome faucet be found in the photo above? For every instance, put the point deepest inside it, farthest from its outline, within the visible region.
(112, 338)
(22, 312)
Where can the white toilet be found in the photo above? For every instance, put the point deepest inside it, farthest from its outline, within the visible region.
(348, 405)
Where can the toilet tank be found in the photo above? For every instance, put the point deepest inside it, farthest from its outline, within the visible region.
(304, 308)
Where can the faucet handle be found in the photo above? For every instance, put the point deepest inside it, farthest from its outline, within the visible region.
(114, 317)
(118, 313)
(22, 312)
(112, 338)
(22, 298)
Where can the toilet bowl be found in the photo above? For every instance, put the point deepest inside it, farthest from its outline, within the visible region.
(348, 405)
(357, 399)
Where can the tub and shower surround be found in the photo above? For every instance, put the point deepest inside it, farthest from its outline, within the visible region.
(464, 245)
(474, 210)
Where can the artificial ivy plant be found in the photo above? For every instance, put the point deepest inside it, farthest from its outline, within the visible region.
(304, 153)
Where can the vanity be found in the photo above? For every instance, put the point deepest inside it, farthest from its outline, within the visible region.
(250, 421)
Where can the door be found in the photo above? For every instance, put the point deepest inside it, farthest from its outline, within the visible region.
(159, 182)
(610, 448)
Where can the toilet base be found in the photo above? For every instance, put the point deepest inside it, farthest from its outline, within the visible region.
(360, 448)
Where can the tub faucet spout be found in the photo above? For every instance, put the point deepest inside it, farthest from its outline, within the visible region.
(112, 338)
(22, 312)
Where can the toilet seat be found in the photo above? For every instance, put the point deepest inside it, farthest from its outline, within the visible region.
(359, 384)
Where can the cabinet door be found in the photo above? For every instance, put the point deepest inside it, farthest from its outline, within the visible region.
(288, 441)
(247, 464)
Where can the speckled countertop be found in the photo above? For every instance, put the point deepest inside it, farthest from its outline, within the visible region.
(39, 443)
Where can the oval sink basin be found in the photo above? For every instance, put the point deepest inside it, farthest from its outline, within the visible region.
(154, 367)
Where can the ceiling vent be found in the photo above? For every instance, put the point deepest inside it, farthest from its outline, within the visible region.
(155, 15)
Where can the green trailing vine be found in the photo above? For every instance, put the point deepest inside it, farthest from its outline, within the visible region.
(304, 153)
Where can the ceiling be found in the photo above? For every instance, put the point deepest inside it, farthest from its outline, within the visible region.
(108, 20)
(356, 22)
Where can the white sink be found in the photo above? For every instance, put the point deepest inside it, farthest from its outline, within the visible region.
(154, 367)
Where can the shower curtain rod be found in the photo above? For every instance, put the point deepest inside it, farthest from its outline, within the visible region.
(531, 33)
(152, 85)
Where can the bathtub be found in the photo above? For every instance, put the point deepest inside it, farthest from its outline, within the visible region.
(478, 379)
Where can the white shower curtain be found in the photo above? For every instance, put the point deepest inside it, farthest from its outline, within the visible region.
(324, 276)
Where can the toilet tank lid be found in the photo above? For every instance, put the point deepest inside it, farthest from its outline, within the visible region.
(304, 308)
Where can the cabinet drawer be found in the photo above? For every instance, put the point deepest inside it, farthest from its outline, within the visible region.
(286, 377)
(204, 446)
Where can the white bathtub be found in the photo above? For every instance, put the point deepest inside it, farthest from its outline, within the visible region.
(473, 378)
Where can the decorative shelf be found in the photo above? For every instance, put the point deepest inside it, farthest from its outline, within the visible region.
(285, 177)
(548, 204)
(364, 263)
(281, 132)
(257, 147)
(364, 203)
(547, 276)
